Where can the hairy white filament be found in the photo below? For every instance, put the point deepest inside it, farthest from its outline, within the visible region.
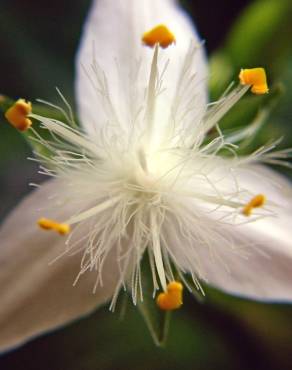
(172, 199)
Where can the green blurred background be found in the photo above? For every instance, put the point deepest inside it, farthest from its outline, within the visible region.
(38, 40)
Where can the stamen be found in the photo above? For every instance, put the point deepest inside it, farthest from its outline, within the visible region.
(157, 251)
(256, 77)
(256, 202)
(158, 35)
(172, 298)
(17, 115)
(48, 224)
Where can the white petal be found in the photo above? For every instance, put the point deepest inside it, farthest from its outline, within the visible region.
(37, 297)
(266, 273)
(258, 266)
(113, 30)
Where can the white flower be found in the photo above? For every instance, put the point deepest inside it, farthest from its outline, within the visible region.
(142, 178)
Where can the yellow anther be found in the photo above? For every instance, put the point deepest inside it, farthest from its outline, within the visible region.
(158, 35)
(256, 77)
(172, 298)
(256, 202)
(47, 224)
(17, 115)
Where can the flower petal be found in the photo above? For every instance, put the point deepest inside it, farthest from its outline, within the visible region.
(251, 259)
(112, 37)
(37, 297)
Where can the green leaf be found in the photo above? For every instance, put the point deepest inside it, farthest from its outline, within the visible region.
(221, 74)
(261, 33)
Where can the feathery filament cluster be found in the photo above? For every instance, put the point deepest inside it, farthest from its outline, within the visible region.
(150, 186)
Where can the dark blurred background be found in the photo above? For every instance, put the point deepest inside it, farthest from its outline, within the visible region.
(38, 40)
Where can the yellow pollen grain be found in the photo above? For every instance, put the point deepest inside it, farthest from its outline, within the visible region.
(48, 224)
(17, 115)
(158, 35)
(257, 78)
(256, 202)
(172, 298)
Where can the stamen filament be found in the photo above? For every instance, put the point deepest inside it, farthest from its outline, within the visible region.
(215, 200)
(214, 115)
(157, 251)
(93, 211)
(68, 134)
(151, 99)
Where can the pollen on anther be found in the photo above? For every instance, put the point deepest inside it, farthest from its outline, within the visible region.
(172, 298)
(158, 35)
(47, 224)
(256, 202)
(17, 115)
(257, 78)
